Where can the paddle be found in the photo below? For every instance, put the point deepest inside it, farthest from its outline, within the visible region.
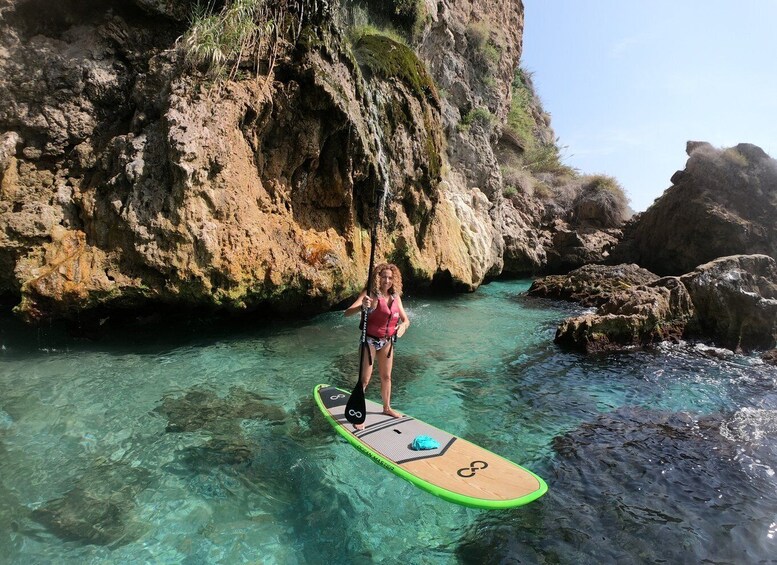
(356, 407)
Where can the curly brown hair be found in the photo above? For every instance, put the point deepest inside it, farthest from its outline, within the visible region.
(396, 286)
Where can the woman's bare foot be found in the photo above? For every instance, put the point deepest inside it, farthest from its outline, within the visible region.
(391, 412)
(358, 427)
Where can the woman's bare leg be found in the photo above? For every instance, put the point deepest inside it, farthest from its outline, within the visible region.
(385, 364)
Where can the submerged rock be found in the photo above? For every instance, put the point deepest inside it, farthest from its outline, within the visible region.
(199, 409)
(99, 508)
(654, 486)
(638, 456)
(14, 519)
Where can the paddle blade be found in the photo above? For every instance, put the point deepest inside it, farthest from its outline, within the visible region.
(356, 407)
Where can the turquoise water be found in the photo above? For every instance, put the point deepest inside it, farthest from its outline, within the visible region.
(203, 444)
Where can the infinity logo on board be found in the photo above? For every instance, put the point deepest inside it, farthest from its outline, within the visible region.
(474, 467)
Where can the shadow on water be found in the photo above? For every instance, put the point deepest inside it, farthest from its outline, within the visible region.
(149, 334)
(344, 369)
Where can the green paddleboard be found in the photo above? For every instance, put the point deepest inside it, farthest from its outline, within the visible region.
(457, 470)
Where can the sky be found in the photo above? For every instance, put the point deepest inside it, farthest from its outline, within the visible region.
(628, 82)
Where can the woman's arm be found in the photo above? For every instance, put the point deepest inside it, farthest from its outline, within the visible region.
(361, 301)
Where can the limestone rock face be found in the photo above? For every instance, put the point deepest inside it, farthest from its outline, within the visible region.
(723, 203)
(736, 301)
(526, 247)
(67, 82)
(125, 180)
(174, 10)
(458, 47)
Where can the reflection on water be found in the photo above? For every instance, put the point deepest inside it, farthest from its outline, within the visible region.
(205, 445)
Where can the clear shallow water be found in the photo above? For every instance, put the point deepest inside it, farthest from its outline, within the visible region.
(205, 446)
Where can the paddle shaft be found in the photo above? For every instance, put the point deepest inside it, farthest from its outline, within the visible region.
(356, 407)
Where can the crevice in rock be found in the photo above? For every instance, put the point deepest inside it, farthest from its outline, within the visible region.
(52, 19)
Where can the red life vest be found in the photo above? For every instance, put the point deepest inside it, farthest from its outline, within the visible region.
(383, 321)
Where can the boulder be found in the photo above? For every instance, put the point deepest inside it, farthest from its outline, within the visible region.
(736, 301)
(731, 301)
(637, 317)
(572, 248)
(591, 285)
(770, 356)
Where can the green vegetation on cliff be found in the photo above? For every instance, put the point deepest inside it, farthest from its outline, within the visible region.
(242, 34)
(217, 42)
(383, 54)
(480, 115)
(485, 45)
(526, 121)
(531, 164)
(388, 57)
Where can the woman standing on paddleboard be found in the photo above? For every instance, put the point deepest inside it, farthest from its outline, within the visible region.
(386, 321)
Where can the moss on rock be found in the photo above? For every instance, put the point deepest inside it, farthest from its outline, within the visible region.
(383, 56)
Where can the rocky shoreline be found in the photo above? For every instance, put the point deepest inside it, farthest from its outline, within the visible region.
(731, 301)
(725, 201)
(131, 180)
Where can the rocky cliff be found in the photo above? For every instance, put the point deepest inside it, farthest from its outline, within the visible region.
(129, 177)
(723, 203)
